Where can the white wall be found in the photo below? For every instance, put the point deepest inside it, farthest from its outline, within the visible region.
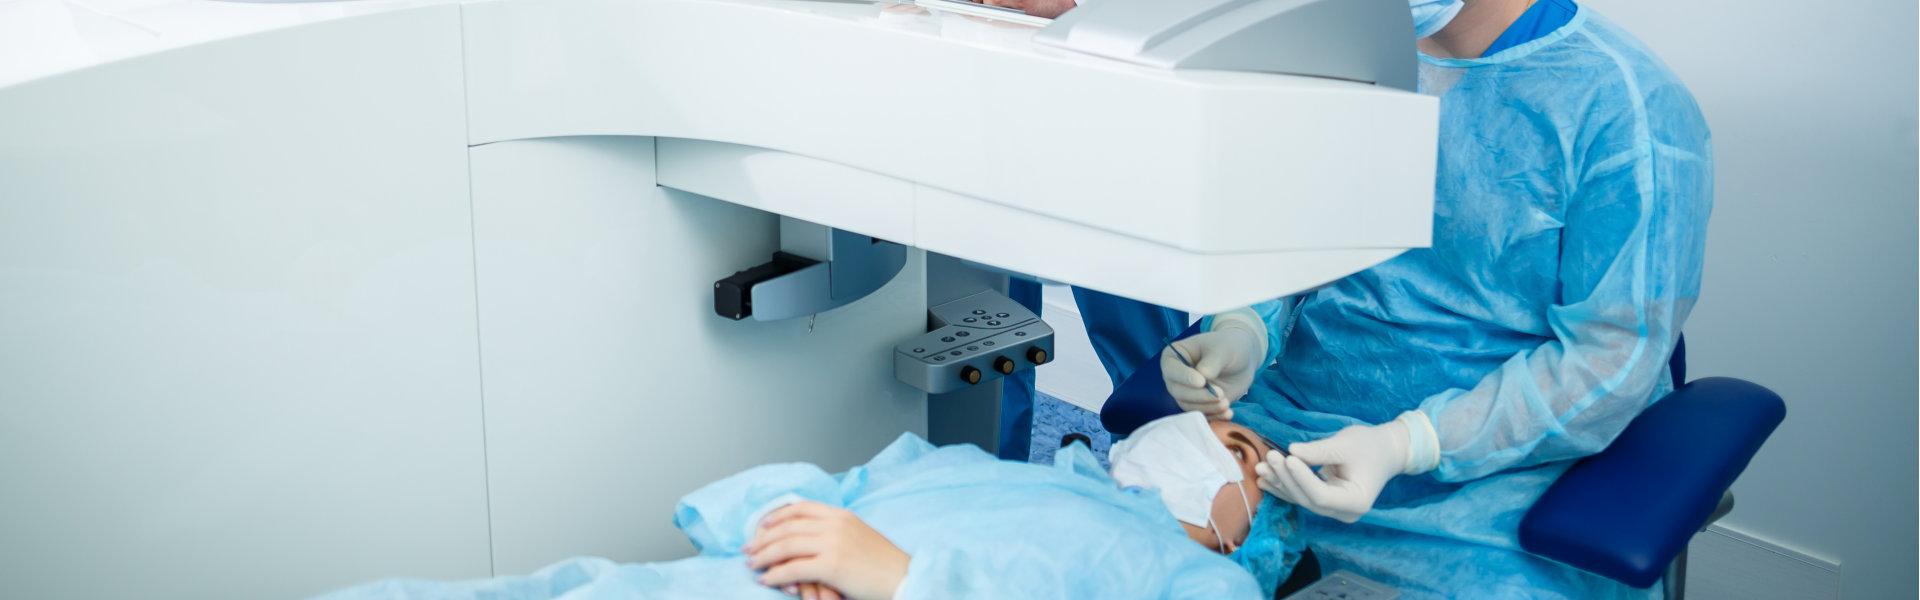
(1075, 375)
(1810, 274)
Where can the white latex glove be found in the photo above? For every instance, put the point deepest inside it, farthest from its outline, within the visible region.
(1227, 356)
(1356, 464)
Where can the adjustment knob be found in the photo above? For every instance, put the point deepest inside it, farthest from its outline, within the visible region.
(1037, 356)
(1004, 365)
(970, 375)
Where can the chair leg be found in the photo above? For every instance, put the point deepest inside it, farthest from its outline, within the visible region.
(1675, 582)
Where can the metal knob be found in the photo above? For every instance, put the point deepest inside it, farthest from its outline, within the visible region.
(1004, 365)
(1037, 356)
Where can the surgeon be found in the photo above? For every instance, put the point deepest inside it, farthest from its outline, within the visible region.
(1431, 399)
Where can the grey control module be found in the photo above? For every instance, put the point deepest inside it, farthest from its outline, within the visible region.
(1344, 585)
(975, 339)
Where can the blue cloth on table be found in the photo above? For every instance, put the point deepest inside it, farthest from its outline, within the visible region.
(977, 527)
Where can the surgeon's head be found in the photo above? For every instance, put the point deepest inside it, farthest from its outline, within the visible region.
(1203, 470)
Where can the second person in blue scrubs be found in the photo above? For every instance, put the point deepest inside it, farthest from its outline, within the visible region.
(1428, 401)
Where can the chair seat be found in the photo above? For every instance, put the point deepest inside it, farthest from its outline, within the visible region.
(1626, 512)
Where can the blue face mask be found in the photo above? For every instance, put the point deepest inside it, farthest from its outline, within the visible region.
(1430, 16)
(1273, 544)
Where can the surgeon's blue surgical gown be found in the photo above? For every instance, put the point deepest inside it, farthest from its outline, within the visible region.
(975, 526)
(1575, 179)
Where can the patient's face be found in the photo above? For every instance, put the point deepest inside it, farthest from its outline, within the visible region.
(1229, 513)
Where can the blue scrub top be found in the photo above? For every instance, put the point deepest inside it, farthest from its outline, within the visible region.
(1544, 17)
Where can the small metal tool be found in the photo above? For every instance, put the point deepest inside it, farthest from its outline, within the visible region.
(1212, 387)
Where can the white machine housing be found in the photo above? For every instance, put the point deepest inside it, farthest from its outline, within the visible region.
(294, 296)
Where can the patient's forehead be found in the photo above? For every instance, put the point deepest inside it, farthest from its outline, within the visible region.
(1222, 428)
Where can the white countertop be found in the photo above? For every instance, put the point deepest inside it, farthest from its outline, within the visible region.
(41, 38)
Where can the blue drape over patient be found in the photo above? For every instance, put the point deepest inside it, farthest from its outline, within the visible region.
(976, 527)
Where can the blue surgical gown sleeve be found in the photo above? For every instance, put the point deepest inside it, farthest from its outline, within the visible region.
(1629, 272)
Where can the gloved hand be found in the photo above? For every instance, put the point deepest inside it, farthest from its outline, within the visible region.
(1227, 356)
(1356, 464)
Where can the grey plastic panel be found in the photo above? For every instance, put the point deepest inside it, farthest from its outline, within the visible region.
(1345, 585)
(972, 415)
(974, 332)
(852, 266)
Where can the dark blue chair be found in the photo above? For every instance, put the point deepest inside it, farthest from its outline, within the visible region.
(1625, 513)
(1628, 512)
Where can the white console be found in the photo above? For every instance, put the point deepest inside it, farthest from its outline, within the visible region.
(297, 295)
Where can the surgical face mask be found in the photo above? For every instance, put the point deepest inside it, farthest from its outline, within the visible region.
(1182, 458)
(1430, 16)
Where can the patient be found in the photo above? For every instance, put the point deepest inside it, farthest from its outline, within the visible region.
(1179, 455)
(954, 522)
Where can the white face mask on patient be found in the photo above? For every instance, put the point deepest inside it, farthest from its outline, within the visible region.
(1181, 457)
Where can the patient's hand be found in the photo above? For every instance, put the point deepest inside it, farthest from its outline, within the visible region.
(809, 542)
(814, 591)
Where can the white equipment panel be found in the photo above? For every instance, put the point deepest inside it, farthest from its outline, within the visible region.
(297, 295)
(1203, 191)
